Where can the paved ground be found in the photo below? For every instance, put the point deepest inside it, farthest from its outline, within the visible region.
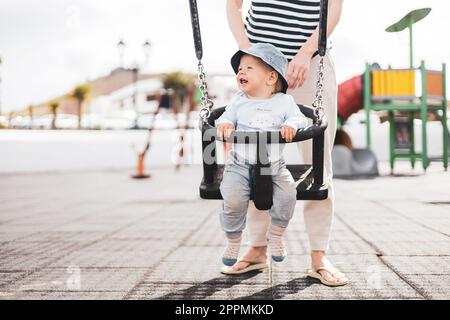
(101, 235)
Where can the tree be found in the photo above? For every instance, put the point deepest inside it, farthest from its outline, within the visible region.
(180, 83)
(81, 94)
(10, 117)
(30, 113)
(54, 108)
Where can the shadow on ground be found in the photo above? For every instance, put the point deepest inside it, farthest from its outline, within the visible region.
(209, 288)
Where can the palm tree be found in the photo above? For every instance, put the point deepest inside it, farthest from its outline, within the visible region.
(30, 113)
(54, 107)
(81, 93)
(10, 117)
(180, 83)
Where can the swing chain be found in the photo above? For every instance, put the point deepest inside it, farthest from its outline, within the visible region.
(205, 102)
(318, 100)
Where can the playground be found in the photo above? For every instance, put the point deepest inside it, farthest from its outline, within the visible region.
(407, 98)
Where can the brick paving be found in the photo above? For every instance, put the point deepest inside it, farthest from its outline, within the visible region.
(102, 235)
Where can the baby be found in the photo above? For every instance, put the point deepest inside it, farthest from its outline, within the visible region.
(261, 105)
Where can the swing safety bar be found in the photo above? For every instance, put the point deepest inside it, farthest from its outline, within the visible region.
(309, 177)
(250, 137)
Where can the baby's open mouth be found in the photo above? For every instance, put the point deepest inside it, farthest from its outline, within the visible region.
(242, 81)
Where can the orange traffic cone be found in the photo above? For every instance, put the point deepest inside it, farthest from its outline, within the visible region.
(140, 174)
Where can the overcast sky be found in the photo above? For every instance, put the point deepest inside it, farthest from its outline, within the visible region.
(49, 46)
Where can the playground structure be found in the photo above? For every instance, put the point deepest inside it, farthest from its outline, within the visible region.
(405, 95)
(395, 92)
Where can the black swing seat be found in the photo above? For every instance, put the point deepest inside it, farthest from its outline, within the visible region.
(309, 177)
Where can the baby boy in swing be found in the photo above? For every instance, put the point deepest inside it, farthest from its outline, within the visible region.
(261, 105)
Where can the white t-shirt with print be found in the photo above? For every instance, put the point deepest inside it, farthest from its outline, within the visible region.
(262, 115)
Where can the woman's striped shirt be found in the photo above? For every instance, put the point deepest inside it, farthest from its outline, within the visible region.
(287, 24)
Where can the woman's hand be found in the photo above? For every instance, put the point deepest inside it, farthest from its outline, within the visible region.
(288, 133)
(224, 130)
(298, 69)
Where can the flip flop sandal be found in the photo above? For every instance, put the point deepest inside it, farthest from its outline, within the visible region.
(252, 266)
(317, 275)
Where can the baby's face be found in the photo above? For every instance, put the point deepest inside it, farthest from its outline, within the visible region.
(253, 75)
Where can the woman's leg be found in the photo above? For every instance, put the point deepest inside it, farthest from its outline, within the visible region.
(318, 215)
(258, 225)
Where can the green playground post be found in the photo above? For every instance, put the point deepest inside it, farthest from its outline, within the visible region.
(391, 139)
(367, 106)
(444, 117)
(411, 63)
(338, 123)
(423, 115)
(412, 147)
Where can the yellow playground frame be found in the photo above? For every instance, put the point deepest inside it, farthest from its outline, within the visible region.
(396, 91)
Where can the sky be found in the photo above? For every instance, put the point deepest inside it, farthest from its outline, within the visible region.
(49, 46)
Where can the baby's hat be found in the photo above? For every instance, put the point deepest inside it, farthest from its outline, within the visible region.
(269, 54)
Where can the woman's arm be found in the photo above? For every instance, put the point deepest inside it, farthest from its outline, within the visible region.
(334, 15)
(299, 66)
(236, 24)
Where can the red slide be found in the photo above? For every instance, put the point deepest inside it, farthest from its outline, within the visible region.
(350, 97)
(349, 162)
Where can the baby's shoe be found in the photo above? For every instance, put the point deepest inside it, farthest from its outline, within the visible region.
(231, 253)
(276, 245)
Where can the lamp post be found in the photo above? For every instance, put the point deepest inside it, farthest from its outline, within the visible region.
(146, 46)
(135, 71)
(135, 74)
(140, 174)
(121, 49)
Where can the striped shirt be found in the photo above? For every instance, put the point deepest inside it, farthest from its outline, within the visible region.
(287, 24)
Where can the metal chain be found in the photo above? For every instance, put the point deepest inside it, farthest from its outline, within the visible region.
(318, 100)
(205, 102)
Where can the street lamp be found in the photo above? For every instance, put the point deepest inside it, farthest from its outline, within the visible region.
(140, 168)
(146, 47)
(135, 70)
(121, 48)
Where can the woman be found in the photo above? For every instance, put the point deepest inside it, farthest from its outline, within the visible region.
(292, 26)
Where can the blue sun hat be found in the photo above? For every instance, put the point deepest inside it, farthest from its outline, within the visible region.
(267, 53)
